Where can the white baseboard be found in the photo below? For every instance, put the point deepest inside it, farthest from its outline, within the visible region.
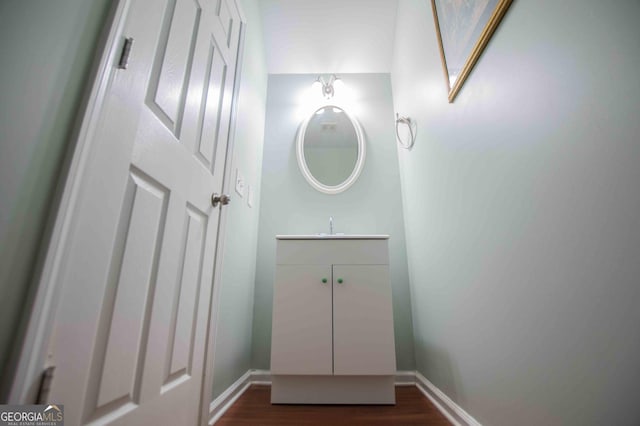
(260, 377)
(405, 378)
(454, 413)
(226, 399)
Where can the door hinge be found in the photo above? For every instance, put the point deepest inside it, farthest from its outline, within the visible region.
(126, 52)
(45, 385)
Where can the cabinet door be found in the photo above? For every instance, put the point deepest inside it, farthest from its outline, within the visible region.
(363, 342)
(301, 341)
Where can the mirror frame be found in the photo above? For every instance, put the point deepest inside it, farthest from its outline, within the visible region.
(302, 163)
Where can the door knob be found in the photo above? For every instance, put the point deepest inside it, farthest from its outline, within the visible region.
(216, 199)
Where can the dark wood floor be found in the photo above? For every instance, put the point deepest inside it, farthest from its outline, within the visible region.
(254, 408)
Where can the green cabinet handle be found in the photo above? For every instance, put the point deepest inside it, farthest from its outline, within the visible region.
(339, 280)
(324, 280)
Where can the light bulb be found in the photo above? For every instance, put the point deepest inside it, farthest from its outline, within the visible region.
(327, 91)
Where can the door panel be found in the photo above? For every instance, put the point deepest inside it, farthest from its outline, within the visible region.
(130, 332)
(135, 266)
(169, 79)
(185, 309)
(211, 107)
(302, 342)
(362, 321)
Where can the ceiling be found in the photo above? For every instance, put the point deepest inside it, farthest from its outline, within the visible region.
(328, 36)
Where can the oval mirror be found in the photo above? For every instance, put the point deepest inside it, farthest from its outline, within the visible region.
(330, 149)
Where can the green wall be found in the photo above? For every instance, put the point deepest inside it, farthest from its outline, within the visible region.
(47, 49)
(289, 205)
(522, 212)
(232, 357)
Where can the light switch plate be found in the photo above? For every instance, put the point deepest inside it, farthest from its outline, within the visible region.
(239, 183)
(249, 195)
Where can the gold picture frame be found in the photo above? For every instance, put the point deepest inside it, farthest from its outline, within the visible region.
(463, 29)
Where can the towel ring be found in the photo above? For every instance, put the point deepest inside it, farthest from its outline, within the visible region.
(410, 125)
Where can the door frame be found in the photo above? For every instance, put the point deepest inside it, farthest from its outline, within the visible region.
(33, 354)
(206, 394)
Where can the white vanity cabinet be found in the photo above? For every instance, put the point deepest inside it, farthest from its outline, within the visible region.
(332, 332)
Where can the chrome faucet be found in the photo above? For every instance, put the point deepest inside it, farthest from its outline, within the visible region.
(330, 225)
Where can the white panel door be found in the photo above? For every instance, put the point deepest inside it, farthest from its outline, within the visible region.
(130, 331)
(301, 341)
(363, 342)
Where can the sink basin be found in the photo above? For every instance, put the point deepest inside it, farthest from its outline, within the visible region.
(334, 237)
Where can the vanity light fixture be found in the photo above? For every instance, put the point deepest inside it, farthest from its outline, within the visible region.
(328, 87)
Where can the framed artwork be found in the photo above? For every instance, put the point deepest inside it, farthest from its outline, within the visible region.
(463, 29)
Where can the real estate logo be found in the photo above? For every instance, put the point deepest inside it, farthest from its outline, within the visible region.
(32, 415)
